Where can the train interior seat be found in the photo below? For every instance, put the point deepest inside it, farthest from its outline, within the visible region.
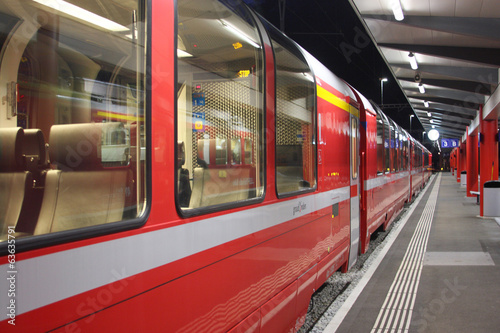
(218, 183)
(16, 184)
(36, 163)
(81, 192)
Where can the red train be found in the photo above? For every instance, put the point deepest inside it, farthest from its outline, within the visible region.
(180, 166)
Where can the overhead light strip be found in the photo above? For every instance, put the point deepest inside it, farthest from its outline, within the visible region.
(82, 14)
(413, 61)
(421, 88)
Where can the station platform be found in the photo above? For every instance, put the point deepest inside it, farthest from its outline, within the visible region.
(440, 274)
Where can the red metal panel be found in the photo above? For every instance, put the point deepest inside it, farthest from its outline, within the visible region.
(472, 164)
(335, 157)
(278, 314)
(306, 287)
(489, 154)
(250, 324)
(354, 191)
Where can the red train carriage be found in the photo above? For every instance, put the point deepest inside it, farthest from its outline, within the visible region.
(179, 166)
(385, 170)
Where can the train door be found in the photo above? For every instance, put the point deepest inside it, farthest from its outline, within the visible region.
(354, 184)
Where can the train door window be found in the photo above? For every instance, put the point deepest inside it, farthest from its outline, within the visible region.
(380, 145)
(295, 118)
(73, 80)
(220, 106)
(354, 148)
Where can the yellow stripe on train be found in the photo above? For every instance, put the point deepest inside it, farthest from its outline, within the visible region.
(332, 99)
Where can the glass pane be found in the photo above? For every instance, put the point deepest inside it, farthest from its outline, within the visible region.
(387, 146)
(220, 105)
(73, 125)
(295, 114)
(380, 145)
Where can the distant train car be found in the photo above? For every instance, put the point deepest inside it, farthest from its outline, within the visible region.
(180, 166)
(385, 169)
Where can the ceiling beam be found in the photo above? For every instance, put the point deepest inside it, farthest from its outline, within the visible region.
(470, 26)
(492, 106)
(483, 55)
(444, 129)
(460, 120)
(460, 104)
(463, 97)
(486, 75)
(468, 86)
(442, 113)
(447, 107)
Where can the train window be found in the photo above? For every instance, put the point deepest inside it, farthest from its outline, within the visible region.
(405, 151)
(387, 146)
(295, 114)
(72, 124)
(220, 106)
(380, 145)
(399, 138)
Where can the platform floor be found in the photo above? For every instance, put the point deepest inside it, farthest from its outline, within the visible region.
(441, 274)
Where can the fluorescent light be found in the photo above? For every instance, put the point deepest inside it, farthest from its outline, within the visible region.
(82, 14)
(384, 79)
(421, 88)
(397, 10)
(426, 104)
(239, 33)
(183, 54)
(429, 114)
(413, 61)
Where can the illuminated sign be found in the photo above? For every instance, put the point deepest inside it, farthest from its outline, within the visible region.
(198, 121)
(243, 73)
(449, 143)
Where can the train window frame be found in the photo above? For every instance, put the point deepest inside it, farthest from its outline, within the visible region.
(296, 51)
(142, 44)
(243, 13)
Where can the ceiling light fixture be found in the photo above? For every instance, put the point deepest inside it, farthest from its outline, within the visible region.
(421, 88)
(413, 61)
(426, 104)
(240, 34)
(397, 10)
